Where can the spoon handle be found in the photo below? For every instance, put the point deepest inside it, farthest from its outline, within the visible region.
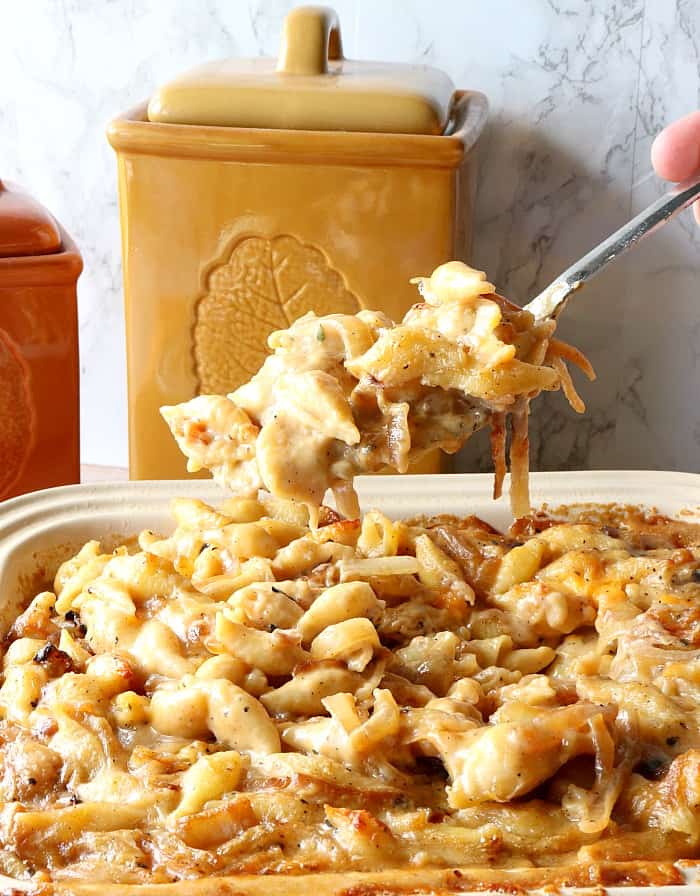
(551, 300)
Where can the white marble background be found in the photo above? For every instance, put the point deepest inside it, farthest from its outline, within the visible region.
(578, 89)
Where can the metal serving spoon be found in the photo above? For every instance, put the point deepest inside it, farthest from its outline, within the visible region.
(551, 301)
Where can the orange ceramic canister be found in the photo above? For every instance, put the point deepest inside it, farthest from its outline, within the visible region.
(39, 413)
(253, 191)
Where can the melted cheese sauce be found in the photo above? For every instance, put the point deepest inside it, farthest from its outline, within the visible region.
(343, 395)
(250, 696)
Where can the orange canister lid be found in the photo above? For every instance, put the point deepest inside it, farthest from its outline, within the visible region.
(311, 86)
(26, 227)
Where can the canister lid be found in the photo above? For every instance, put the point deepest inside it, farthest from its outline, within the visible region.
(26, 228)
(310, 87)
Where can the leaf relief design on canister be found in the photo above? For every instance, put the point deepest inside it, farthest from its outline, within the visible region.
(17, 416)
(264, 285)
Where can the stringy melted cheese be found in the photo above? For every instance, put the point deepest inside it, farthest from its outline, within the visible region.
(249, 695)
(342, 395)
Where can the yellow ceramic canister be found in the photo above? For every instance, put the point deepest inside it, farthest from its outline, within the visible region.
(253, 191)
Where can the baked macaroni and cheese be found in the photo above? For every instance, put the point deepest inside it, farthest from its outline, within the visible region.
(343, 394)
(425, 706)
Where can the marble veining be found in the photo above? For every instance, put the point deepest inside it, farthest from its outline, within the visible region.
(578, 89)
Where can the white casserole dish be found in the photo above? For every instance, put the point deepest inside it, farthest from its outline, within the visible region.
(40, 530)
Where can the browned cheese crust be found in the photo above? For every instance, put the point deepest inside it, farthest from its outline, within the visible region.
(251, 706)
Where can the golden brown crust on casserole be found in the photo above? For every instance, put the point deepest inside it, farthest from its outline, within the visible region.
(252, 706)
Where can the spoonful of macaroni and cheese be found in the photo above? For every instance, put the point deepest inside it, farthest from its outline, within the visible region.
(343, 395)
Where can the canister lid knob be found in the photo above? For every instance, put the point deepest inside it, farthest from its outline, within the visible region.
(26, 227)
(311, 37)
